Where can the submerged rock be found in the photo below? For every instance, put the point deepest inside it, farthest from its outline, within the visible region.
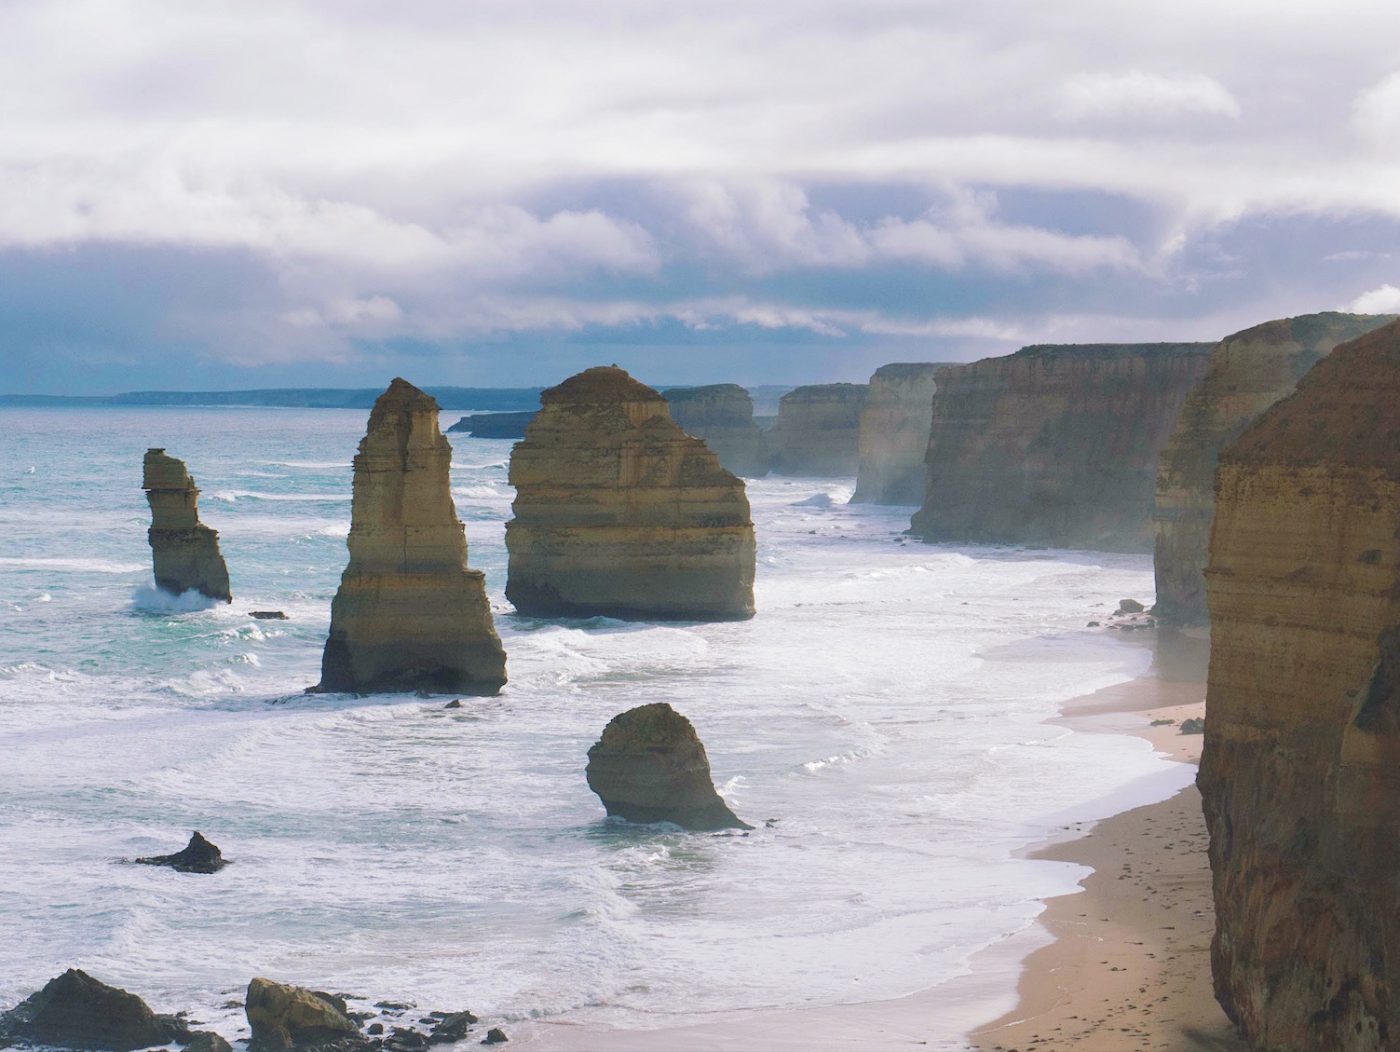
(894, 430)
(722, 415)
(199, 856)
(650, 766)
(284, 1017)
(185, 552)
(818, 430)
(77, 1011)
(267, 615)
(409, 613)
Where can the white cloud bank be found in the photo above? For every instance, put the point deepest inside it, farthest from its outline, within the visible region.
(1144, 96)
(1383, 300)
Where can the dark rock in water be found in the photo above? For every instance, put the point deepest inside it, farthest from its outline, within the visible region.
(1196, 725)
(1130, 606)
(76, 1011)
(495, 1036)
(207, 1041)
(199, 856)
(494, 425)
(284, 1017)
(451, 1027)
(454, 704)
(375, 1028)
(268, 615)
(650, 766)
(402, 1039)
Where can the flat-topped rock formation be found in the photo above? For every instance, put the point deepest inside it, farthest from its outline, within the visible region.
(409, 614)
(818, 430)
(618, 512)
(894, 430)
(185, 551)
(1248, 373)
(493, 425)
(722, 415)
(1300, 777)
(1055, 444)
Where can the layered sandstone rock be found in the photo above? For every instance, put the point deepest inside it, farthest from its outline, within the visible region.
(618, 512)
(284, 1017)
(1054, 445)
(894, 430)
(185, 551)
(818, 430)
(1248, 373)
(1300, 777)
(722, 415)
(409, 614)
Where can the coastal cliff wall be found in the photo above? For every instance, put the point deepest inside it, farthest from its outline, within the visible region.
(722, 415)
(184, 552)
(1054, 445)
(1248, 373)
(894, 430)
(818, 430)
(1300, 776)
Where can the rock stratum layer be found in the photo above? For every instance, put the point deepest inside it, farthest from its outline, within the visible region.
(618, 512)
(894, 431)
(1248, 373)
(185, 551)
(1055, 444)
(818, 430)
(722, 415)
(409, 614)
(1300, 776)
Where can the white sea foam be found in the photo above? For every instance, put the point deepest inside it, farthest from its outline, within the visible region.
(71, 565)
(149, 599)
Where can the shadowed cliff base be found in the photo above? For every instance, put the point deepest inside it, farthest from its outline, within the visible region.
(184, 552)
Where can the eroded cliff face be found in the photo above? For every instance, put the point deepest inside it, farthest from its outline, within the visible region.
(1248, 373)
(409, 614)
(619, 512)
(722, 415)
(1300, 777)
(894, 431)
(1055, 444)
(818, 430)
(184, 551)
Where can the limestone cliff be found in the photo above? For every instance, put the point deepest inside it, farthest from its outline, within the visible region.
(619, 512)
(1248, 372)
(185, 552)
(894, 430)
(1054, 444)
(1300, 777)
(409, 614)
(818, 430)
(722, 415)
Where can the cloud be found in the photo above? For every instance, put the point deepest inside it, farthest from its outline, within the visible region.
(1382, 300)
(1144, 96)
(1376, 111)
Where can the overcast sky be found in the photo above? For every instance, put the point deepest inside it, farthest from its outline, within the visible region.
(331, 192)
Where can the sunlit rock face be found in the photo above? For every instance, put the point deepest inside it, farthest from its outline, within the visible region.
(620, 513)
(818, 430)
(1300, 776)
(1054, 445)
(184, 551)
(722, 415)
(1248, 373)
(409, 614)
(894, 429)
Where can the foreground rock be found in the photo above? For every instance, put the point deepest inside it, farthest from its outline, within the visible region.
(199, 856)
(1248, 373)
(1054, 445)
(894, 430)
(409, 614)
(818, 430)
(618, 512)
(1300, 776)
(284, 1017)
(722, 415)
(494, 425)
(650, 766)
(185, 551)
(77, 1011)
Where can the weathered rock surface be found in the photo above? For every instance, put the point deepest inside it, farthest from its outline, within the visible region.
(185, 552)
(618, 512)
(650, 766)
(1300, 776)
(1248, 372)
(722, 415)
(494, 425)
(198, 856)
(284, 1017)
(409, 614)
(1055, 444)
(77, 1011)
(818, 430)
(894, 430)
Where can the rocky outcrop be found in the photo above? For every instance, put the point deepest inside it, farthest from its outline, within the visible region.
(185, 551)
(198, 856)
(1054, 445)
(1300, 776)
(494, 425)
(650, 766)
(77, 1011)
(894, 430)
(818, 430)
(284, 1017)
(618, 512)
(722, 415)
(409, 614)
(1248, 372)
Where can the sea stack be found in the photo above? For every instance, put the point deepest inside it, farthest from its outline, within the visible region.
(894, 430)
(1300, 776)
(185, 551)
(409, 614)
(818, 430)
(722, 415)
(620, 513)
(1248, 373)
(1054, 445)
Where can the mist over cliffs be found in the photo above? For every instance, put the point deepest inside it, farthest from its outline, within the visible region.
(895, 422)
(818, 430)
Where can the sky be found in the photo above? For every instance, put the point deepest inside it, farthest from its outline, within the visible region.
(219, 194)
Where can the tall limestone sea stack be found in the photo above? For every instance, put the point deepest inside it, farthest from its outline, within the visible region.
(1248, 373)
(409, 614)
(618, 512)
(722, 415)
(185, 551)
(1300, 776)
(818, 430)
(1055, 444)
(894, 430)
